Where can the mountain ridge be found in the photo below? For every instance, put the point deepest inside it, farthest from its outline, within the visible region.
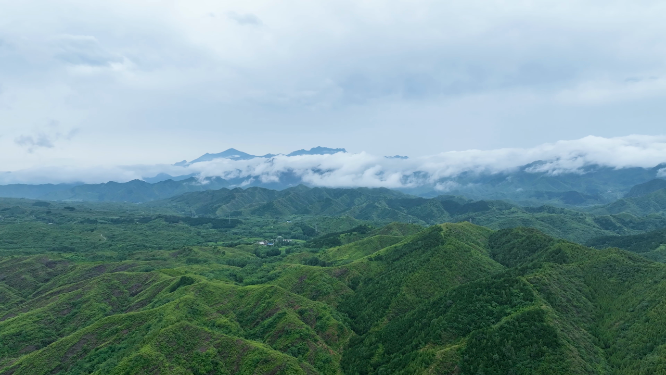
(234, 154)
(592, 190)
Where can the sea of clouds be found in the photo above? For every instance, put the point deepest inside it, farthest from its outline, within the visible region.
(367, 170)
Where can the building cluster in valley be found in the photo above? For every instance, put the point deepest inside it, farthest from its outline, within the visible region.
(276, 242)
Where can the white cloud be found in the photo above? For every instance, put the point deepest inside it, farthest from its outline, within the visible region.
(420, 77)
(364, 169)
(446, 186)
(44, 137)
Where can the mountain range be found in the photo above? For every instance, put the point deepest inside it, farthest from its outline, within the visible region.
(384, 205)
(641, 199)
(234, 154)
(591, 186)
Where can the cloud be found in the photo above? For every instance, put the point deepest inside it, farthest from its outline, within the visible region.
(44, 137)
(446, 186)
(244, 19)
(605, 91)
(366, 170)
(83, 50)
(31, 142)
(416, 77)
(362, 169)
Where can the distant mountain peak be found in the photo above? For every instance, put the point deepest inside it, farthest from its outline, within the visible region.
(317, 151)
(234, 154)
(230, 153)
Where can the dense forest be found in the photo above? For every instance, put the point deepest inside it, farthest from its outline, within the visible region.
(332, 281)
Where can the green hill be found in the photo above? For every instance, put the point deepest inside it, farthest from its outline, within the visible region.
(109, 317)
(650, 203)
(651, 244)
(646, 188)
(528, 185)
(384, 206)
(556, 311)
(139, 289)
(135, 191)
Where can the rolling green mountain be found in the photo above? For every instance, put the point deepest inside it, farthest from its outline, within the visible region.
(650, 203)
(358, 281)
(32, 191)
(651, 244)
(551, 307)
(646, 188)
(31, 227)
(383, 205)
(298, 200)
(135, 191)
(447, 299)
(322, 207)
(530, 185)
(114, 319)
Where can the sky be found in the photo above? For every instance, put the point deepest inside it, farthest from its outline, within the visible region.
(100, 84)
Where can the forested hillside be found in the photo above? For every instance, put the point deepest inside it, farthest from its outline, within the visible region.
(383, 205)
(117, 291)
(646, 188)
(651, 244)
(650, 203)
(329, 281)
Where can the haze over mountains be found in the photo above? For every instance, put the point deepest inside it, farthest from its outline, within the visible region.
(334, 168)
(584, 172)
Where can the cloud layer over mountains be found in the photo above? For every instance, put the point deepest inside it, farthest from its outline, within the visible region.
(162, 80)
(366, 170)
